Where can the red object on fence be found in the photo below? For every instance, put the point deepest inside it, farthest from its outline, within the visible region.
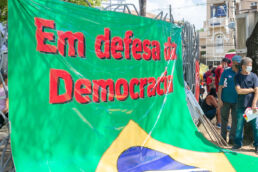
(197, 80)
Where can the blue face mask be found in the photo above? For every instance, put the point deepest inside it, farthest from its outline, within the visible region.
(248, 68)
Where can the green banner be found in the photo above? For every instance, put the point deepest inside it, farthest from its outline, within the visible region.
(95, 90)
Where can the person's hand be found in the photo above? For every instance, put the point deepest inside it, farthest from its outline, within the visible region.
(254, 107)
(220, 103)
(252, 90)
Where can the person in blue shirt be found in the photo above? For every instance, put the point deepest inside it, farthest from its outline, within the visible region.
(227, 98)
(246, 84)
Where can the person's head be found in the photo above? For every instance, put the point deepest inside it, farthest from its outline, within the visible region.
(246, 64)
(210, 67)
(229, 62)
(213, 70)
(236, 60)
(213, 92)
(224, 62)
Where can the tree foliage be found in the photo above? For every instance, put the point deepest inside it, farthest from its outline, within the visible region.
(3, 10)
(203, 53)
(4, 7)
(83, 2)
(231, 50)
(200, 30)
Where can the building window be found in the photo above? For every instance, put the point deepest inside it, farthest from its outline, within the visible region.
(203, 53)
(219, 44)
(254, 5)
(219, 10)
(203, 46)
(216, 63)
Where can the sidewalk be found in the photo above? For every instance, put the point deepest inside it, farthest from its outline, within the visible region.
(247, 149)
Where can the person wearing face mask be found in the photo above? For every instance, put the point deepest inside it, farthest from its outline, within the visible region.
(246, 84)
(227, 99)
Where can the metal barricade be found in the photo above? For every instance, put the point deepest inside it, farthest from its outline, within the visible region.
(6, 163)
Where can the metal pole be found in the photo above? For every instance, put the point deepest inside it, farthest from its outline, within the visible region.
(142, 5)
(88, 3)
(234, 18)
(171, 19)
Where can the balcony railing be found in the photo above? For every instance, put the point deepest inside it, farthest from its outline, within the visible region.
(217, 22)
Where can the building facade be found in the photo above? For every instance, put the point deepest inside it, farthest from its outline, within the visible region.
(217, 37)
(228, 25)
(246, 20)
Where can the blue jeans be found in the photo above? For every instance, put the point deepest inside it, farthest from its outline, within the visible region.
(240, 126)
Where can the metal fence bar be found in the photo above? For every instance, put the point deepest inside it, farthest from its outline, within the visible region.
(117, 6)
(6, 163)
(190, 39)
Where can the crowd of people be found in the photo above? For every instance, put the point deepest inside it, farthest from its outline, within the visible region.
(231, 89)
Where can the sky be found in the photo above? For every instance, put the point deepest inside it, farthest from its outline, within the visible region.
(189, 10)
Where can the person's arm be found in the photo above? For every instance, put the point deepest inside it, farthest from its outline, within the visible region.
(221, 85)
(220, 72)
(214, 102)
(255, 98)
(210, 80)
(219, 95)
(240, 90)
(256, 92)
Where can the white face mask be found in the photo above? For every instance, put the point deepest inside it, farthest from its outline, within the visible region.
(248, 68)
